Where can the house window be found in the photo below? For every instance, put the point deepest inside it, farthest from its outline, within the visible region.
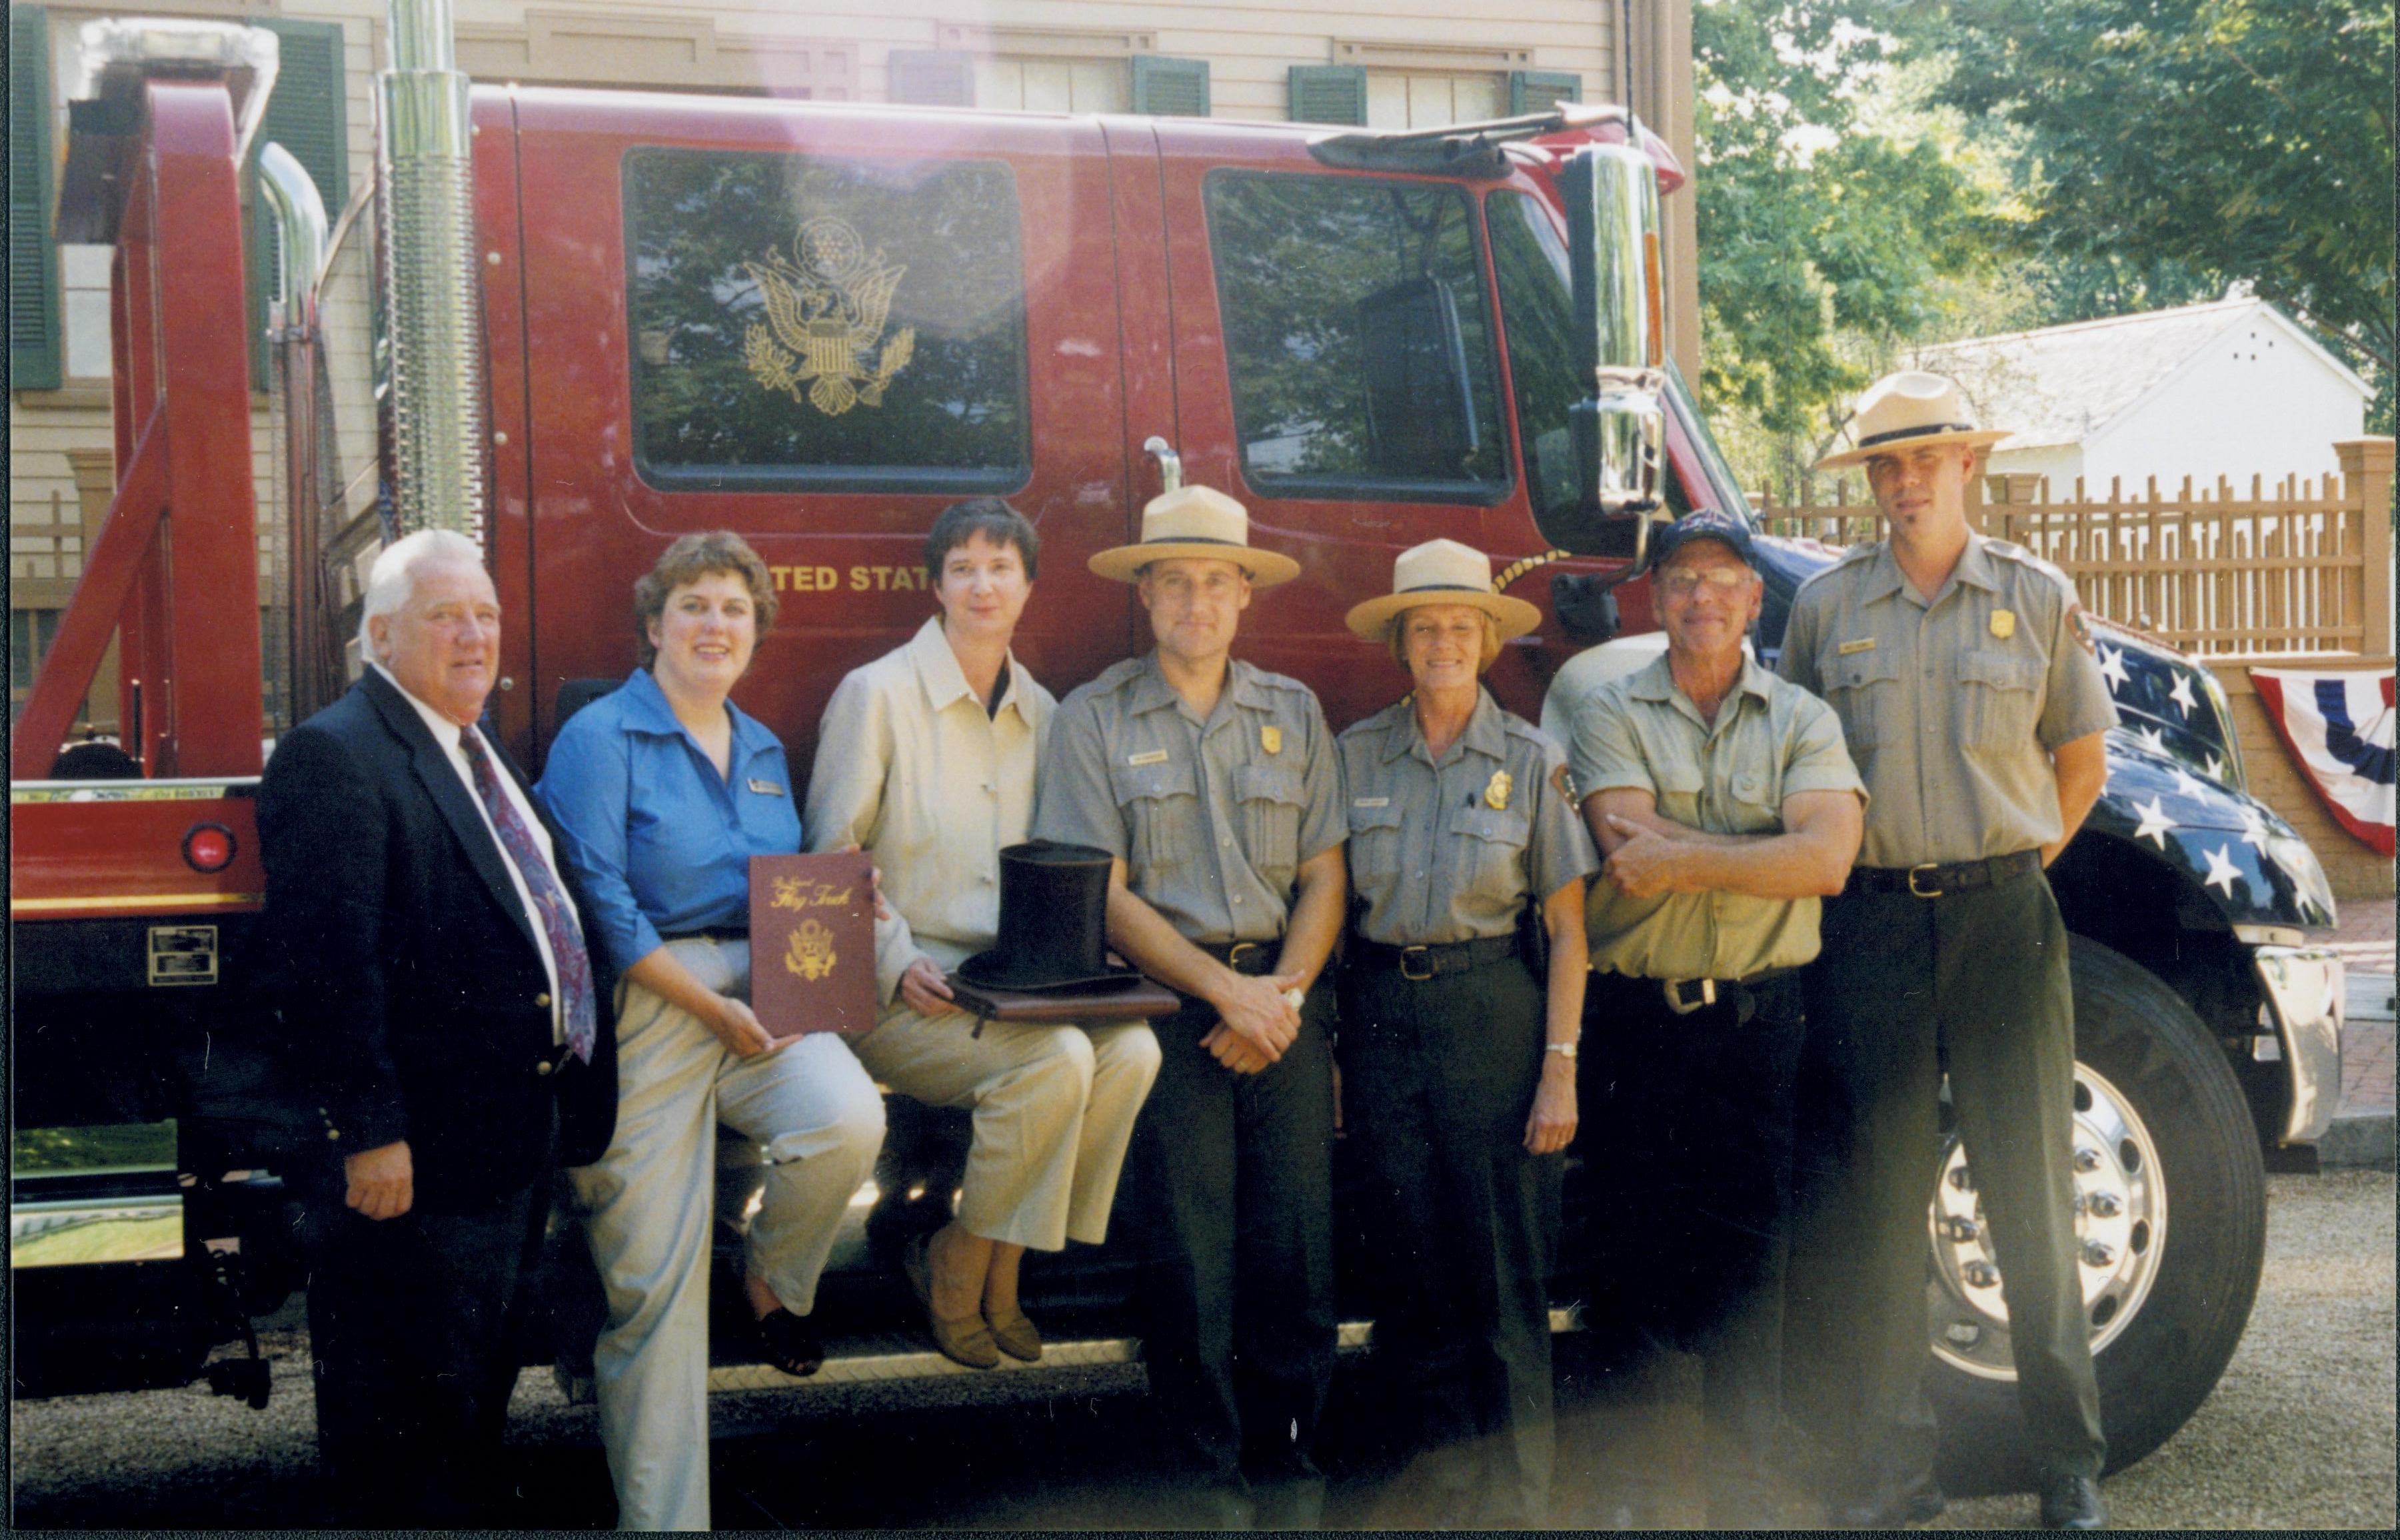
(806, 322)
(1409, 100)
(84, 287)
(1054, 85)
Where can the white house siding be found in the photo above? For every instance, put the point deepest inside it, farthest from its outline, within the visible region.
(2253, 401)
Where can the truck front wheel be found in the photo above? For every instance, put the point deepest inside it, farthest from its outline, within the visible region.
(2170, 1222)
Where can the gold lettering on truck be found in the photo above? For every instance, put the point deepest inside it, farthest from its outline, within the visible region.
(826, 315)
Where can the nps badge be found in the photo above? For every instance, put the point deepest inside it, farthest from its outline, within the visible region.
(1496, 790)
(1270, 739)
(825, 323)
(2004, 624)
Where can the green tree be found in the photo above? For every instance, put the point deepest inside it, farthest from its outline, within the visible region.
(2176, 145)
(1828, 237)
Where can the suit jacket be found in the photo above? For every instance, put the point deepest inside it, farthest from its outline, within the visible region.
(402, 967)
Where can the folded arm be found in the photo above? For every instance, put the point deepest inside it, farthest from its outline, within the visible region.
(1649, 854)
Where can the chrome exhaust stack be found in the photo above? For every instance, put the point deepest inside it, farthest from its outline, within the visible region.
(425, 194)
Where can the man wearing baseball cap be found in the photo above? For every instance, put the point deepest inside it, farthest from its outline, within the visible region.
(1215, 787)
(1726, 807)
(1976, 718)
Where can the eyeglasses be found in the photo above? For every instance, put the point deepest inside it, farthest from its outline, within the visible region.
(1683, 581)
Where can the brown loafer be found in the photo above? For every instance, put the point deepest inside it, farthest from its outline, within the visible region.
(1015, 1336)
(967, 1342)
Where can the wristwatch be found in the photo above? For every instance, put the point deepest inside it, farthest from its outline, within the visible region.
(1565, 1050)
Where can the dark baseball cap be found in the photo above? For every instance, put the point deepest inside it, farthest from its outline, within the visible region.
(1706, 524)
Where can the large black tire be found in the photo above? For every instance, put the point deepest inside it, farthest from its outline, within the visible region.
(2166, 1355)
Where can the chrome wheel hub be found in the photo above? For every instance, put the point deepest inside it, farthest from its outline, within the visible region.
(2121, 1219)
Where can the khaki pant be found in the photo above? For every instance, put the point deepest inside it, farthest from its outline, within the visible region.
(1054, 1107)
(649, 1211)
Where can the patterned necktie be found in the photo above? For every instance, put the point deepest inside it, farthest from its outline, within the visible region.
(566, 941)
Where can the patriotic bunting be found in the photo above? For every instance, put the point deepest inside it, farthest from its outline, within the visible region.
(2338, 727)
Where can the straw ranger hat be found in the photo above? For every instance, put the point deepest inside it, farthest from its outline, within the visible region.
(1909, 408)
(1199, 523)
(1441, 572)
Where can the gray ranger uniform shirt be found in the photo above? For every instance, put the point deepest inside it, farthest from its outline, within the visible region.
(1451, 850)
(1211, 818)
(1950, 707)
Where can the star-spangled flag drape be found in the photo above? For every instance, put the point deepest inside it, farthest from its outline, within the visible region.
(2338, 727)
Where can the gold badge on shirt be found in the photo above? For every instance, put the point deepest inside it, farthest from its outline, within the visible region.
(2004, 624)
(1496, 790)
(1270, 739)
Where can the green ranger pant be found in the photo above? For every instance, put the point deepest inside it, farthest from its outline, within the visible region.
(1439, 1076)
(1974, 985)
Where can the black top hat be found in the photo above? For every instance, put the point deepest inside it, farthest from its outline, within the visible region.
(1054, 903)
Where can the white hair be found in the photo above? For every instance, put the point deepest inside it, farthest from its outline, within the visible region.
(394, 575)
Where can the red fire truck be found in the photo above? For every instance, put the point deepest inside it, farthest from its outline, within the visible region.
(608, 318)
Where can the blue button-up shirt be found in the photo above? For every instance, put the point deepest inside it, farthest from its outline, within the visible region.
(663, 845)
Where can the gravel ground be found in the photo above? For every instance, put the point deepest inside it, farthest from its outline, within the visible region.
(2299, 1434)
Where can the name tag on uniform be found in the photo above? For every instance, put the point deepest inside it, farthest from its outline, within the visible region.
(765, 788)
(1864, 643)
(1371, 801)
(1155, 756)
(2004, 624)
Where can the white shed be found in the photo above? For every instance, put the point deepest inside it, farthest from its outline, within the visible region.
(2231, 389)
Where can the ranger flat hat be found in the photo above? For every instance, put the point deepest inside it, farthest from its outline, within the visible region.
(1903, 410)
(1199, 523)
(1054, 901)
(1441, 572)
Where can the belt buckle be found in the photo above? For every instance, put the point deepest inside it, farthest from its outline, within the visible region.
(1237, 952)
(1419, 957)
(1914, 888)
(1674, 990)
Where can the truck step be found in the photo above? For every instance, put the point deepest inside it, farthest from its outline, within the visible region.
(885, 1357)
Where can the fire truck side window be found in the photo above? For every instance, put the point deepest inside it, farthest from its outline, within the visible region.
(806, 323)
(1357, 338)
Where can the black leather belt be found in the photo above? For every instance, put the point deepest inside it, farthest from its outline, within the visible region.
(1687, 995)
(1420, 963)
(1932, 879)
(1254, 957)
(714, 932)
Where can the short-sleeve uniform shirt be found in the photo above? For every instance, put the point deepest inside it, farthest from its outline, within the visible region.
(1951, 705)
(1212, 817)
(1452, 850)
(1771, 740)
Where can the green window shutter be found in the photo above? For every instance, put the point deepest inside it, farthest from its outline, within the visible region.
(309, 115)
(1171, 87)
(35, 361)
(1329, 93)
(932, 77)
(1539, 90)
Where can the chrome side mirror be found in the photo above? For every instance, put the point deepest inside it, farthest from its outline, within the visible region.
(1619, 430)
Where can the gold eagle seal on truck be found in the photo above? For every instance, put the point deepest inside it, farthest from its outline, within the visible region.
(823, 340)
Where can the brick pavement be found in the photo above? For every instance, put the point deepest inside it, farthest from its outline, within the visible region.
(2366, 941)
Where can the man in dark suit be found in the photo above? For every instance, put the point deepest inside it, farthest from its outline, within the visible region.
(437, 1003)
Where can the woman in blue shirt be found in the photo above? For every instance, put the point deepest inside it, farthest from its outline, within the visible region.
(665, 789)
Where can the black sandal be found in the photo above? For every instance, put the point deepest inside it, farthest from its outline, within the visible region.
(790, 1343)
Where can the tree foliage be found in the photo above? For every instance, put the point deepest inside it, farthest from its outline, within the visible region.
(1815, 227)
(2185, 143)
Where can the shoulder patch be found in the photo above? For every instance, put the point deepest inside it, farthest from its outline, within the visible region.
(1564, 782)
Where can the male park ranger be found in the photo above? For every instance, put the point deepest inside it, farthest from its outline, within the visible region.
(1976, 717)
(1215, 787)
(1727, 808)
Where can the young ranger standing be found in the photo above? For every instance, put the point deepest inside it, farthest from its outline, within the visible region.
(1215, 787)
(1976, 717)
(1727, 808)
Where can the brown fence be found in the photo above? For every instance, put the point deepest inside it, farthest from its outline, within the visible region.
(2302, 567)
